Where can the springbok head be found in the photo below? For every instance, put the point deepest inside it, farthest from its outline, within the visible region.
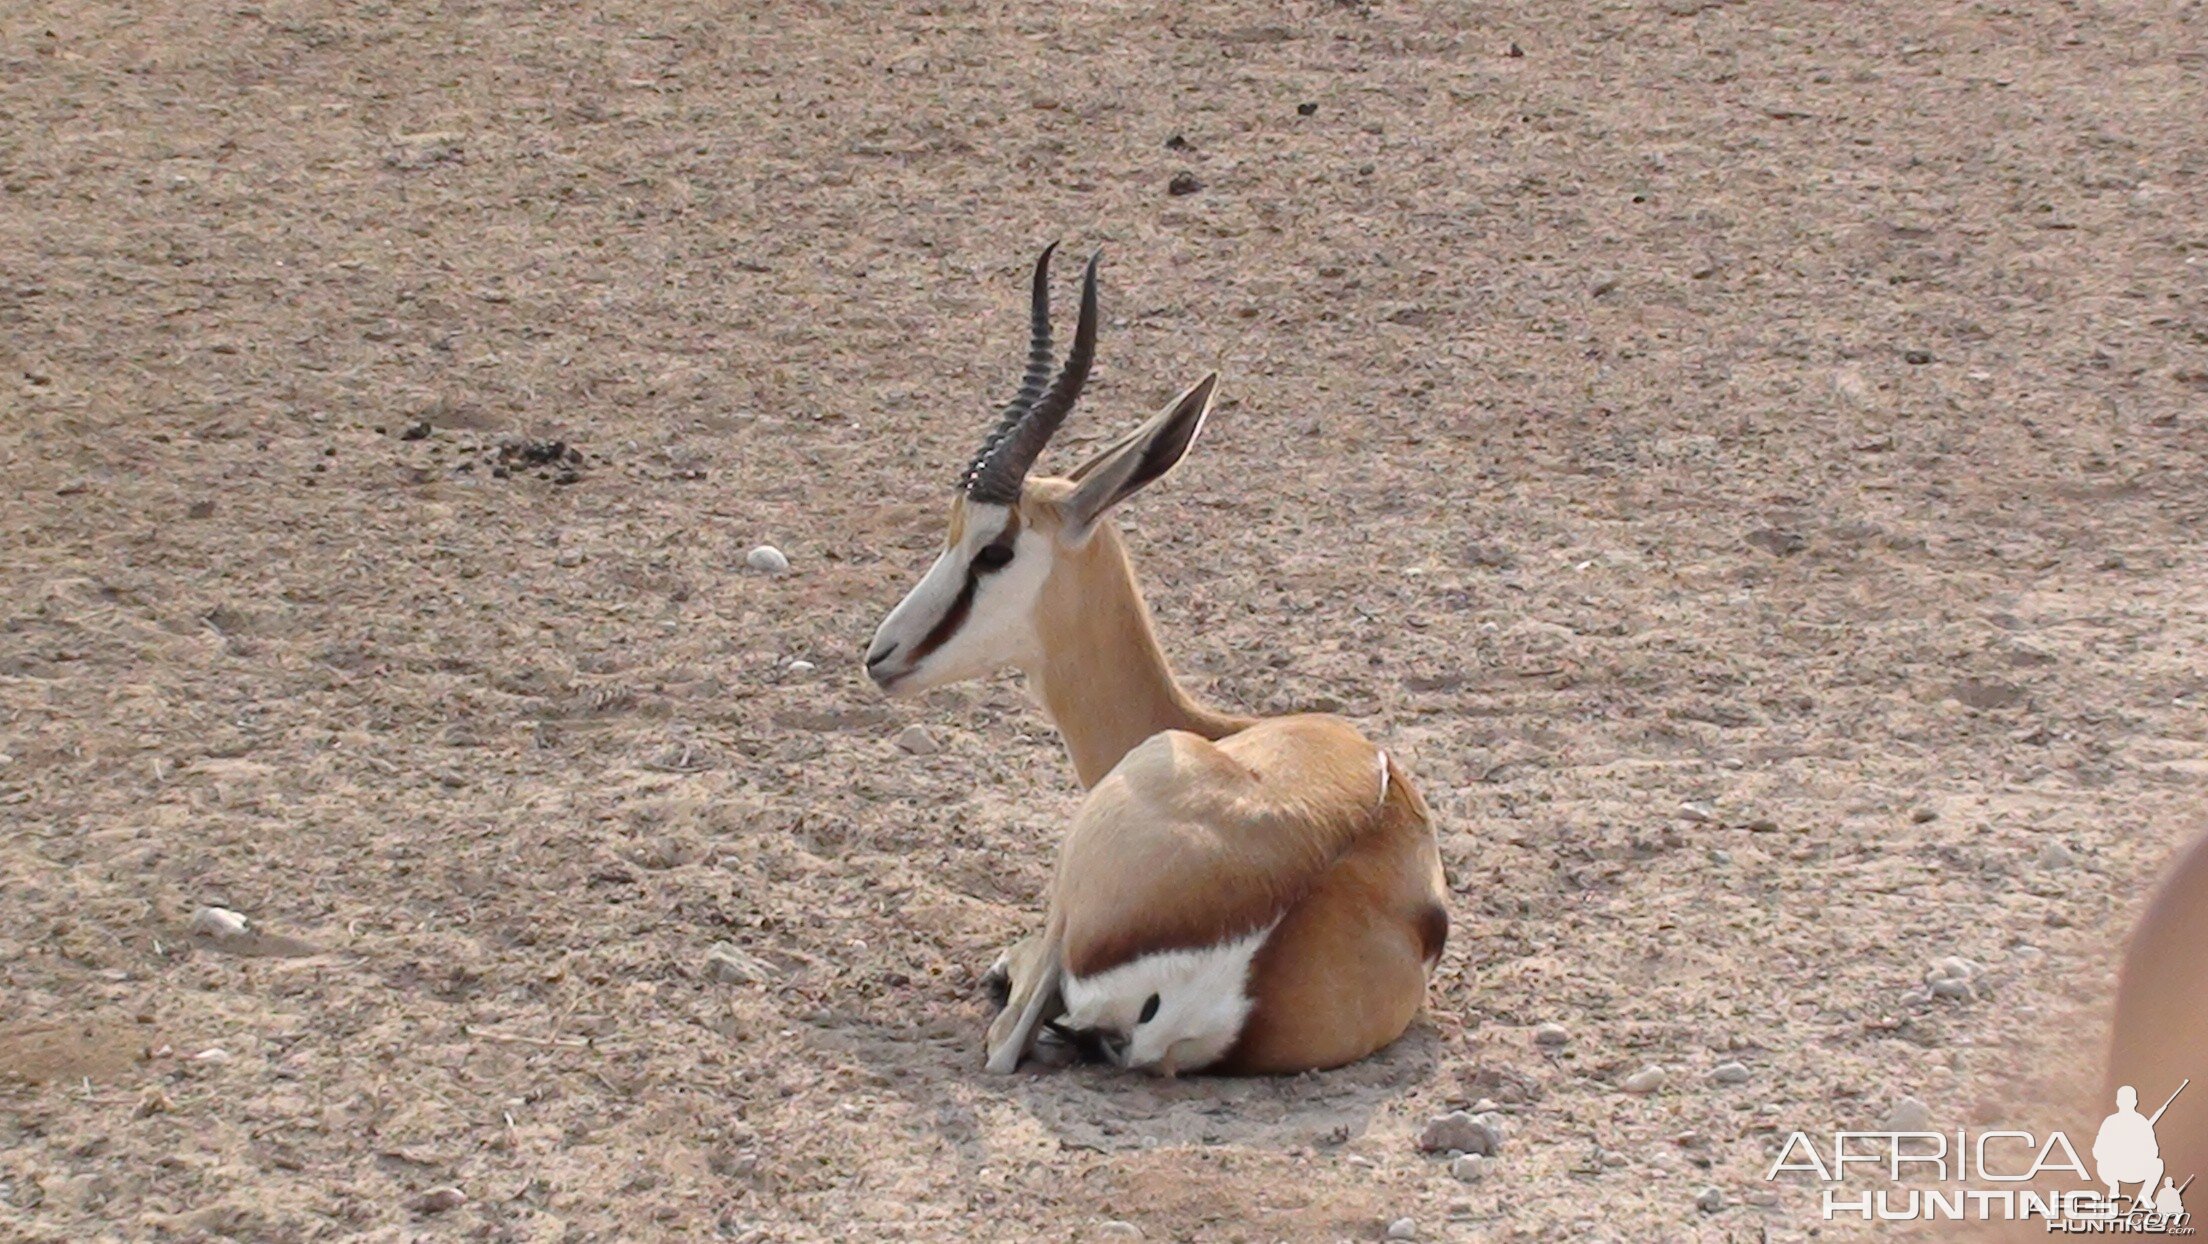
(1012, 538)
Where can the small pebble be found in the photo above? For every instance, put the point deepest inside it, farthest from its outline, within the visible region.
(767, 559)
(915, 740)
(730, 966)
(2055, 855)
(415, 431)
(152, 1102)
(219, 923)
(1403, 1229)
(1699, 813)
(1908, 1115)
(438, 1200)
(1951, 967)
(802, 667)
(1709, 1200)
(212, 1054)
(1923, 816)
(1916, 358)
(1470, 1168)
(1117, 1229)
(1953, 988)
(1763, 825)
(1459, 1132)
(569, 558)
(1729, 1073)
(1183, 183)
(1551, 1035)
(1646, 1080)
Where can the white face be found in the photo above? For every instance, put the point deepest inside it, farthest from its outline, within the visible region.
(972, 614)
(1199, 1009)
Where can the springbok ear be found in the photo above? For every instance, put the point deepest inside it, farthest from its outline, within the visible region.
(1124, 467)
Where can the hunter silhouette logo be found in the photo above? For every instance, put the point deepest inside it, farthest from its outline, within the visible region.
(1961, 1175)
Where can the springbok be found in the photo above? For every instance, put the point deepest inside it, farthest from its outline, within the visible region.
(1235, 894)
(2160, 1030)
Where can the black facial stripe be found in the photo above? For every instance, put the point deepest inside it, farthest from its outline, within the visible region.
(1149, 1010)
(953, 618)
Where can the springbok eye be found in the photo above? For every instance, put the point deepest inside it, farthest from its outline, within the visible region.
(993, 557)
(1149, 1010)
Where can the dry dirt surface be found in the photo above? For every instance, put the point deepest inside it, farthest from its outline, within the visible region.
(1748, 460)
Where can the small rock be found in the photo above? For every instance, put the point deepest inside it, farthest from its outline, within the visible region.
(438, 1200)
(1471, 1168)
(153, 1102)
(1551, 1035)
(1183, 183)
(1729, 1073)
(212, 1054)
(1697, 812)
(1763, 825)
(1776, 542)
(1646, 1080)
(802, 667)
(1515, 52)
(2055, 855)
(767, 559)
(219, 923)
(1709, 1200)
(1908, 1115)
(1951, 967)
(915, 740)
(1403, 1229)
(569, 558)
(1955, 990)
(1922, 816)
(1306, 110)
(415, 431)
(725, 963)
(1916, 358)
(1604, 283)
(1117, 1229)
(1459, 1132)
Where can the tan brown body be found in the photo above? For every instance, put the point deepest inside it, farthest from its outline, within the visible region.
(2160, 1033)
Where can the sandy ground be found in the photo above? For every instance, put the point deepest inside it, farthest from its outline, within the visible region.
(1749, 460)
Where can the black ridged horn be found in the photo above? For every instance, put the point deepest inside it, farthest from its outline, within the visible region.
(997, 471)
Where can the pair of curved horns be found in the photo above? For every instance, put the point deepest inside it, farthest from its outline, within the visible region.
(1032, 418)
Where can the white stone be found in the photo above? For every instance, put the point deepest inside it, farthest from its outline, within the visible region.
(767, 559)
(1470, 1168)
(1647, 1080)
(219, 923)
(1551, 1035)
(802, 667)
(1403, 1229)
